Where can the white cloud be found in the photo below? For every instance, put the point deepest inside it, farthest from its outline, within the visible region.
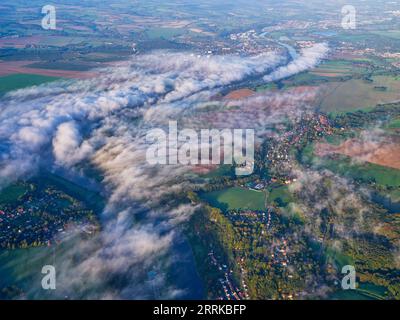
(308, 59)
(104, 121)
(68, 145)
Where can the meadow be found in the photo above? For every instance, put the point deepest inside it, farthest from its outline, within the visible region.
(279, 195)
(20, 269)
(392, 34)
(394, 124)
(164, 33)
(235, 198)
(93, 199)
(336, 68)
(63, 65)
(348, 167)
(364, 291)
(343, 165)
(359, 94)
(20, 81)
(12, 193)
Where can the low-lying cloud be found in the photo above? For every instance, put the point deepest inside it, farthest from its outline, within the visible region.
(103, 122)
(308, 58)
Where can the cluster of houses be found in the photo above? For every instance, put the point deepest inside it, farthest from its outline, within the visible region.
(279, 255)
(250, 216)
(250, 42)
(243, 272)
(231, 291)
(241, 43)
(38, 216)
(307, 128)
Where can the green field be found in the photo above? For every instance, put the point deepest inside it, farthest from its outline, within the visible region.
(221, 171)
(345, 166)
(364, 171)
(63, 65)
(394, 124)
(21, 268)
(60, 41)
(20, 81)
(333, 71)
(392, 34)
(265, 87)
(280, 195)
(235, 198)
(349, 295)
(304, 79)
(337, 257)
(394, 195)
(12, 193)
(337, 68)
(93, 199)
(364, 291)
(358, 94)
(164, 33)
(372, 290)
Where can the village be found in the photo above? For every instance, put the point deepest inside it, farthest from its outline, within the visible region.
(38, 215)
(261, 241)
(231, 292)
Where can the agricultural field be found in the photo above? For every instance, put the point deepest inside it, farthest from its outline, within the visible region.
(392, 34)
(20, 81)
(164, 33)
(385, 152)
(235, 198)
(344, 165)
(12, 193)
(364, 291)
(394, 124)
(336, 69)
(359, 94)
(332, 71)
(63, 65)
(92, 198)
